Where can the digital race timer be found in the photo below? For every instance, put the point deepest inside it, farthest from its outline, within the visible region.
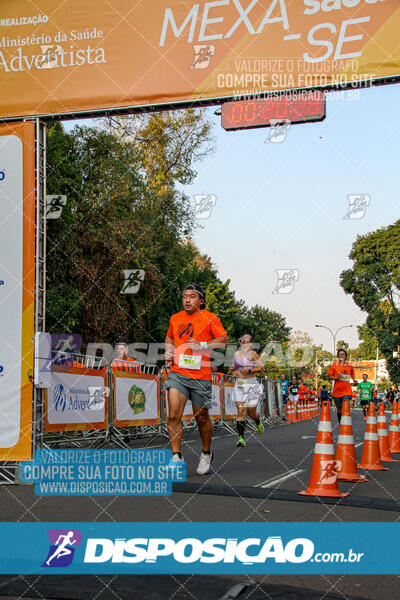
(297, 108)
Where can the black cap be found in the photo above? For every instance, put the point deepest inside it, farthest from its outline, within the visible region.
(121, 340)
(197, 288)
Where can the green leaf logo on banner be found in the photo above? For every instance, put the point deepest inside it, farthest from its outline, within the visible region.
(137, 399)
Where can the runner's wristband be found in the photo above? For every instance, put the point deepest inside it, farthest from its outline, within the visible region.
(203, 345)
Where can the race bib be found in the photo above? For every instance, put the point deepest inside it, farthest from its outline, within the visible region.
(344, 377)
(190, 361)
(241, 381)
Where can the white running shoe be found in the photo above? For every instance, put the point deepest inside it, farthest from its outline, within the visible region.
(175, 462)
(205, 463)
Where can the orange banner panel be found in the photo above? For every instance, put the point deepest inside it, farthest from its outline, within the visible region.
(77, 400)
(96, 55)
(17, 283)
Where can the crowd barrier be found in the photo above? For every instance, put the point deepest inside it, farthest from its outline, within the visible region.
(87, 404)
(91, 407)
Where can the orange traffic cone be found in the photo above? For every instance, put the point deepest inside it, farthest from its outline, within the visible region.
(323, 478)
(345, 450)
(299, 410)
(383, 436)
(289, 411)
(394, 430)
(371, 456)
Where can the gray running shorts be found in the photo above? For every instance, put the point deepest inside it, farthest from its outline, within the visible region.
(199, 391)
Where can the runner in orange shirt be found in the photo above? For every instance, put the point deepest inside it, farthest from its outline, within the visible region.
(341, 373)
(192, 333)
(303, 390)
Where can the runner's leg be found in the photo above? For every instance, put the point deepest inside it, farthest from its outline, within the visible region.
(205, 426)
(176, 404)
(253, 414)
(241, 419)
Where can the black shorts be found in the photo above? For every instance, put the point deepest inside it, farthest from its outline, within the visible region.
(364, 402)
(339, 401)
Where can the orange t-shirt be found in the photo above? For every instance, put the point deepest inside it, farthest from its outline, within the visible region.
(303, 390)
(343, 387)
(126, 364)
(202, 326)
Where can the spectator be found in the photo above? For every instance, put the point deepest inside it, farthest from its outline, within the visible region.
(123, 362)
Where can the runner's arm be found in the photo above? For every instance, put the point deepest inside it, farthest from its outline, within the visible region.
(218, 342)
(332, 374)
(169, 350)
(260, 365)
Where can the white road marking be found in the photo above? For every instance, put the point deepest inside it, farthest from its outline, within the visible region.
(275, 480)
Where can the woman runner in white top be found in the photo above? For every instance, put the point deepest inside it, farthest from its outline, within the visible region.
(247, 390)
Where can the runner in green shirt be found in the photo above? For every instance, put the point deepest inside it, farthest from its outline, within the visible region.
(365, 389)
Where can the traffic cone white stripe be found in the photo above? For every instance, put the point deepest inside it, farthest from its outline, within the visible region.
(371, 420)
(346, 421)
(345, 439)
(382, 432)
(325, 426)
(381, 420)
(324, 449)
(371, 436)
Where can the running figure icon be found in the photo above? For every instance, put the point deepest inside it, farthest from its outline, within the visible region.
(62, 550)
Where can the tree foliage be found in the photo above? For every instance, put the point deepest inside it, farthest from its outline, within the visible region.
(374, 283)
(123, 213)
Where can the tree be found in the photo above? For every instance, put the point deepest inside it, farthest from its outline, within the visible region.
(342, 344)
(300, 338)
(111, 222)
(166, 144)
(265, 325)
(374, 283)
(119, 218)
(366, 350)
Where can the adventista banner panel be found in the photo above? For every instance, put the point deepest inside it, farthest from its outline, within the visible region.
(17, 282)
(84, 56)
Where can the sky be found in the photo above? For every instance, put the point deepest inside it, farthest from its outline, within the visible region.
(281, 206)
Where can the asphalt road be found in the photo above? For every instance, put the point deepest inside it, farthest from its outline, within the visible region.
(280, 458)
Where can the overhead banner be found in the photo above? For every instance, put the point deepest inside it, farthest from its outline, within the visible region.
(17, 283)
(76, 400)
(85, 56)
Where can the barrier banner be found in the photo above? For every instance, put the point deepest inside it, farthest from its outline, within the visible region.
(271, 398)
(136, 399)
(187, 411)
(229, 404)
(278, 389)
(203, 548)
(91, 56)
(215, 410)
(76, 400)
(17, 283)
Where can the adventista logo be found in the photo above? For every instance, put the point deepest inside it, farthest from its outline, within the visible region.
(2, 175)
(59, 397)
(62, 547)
